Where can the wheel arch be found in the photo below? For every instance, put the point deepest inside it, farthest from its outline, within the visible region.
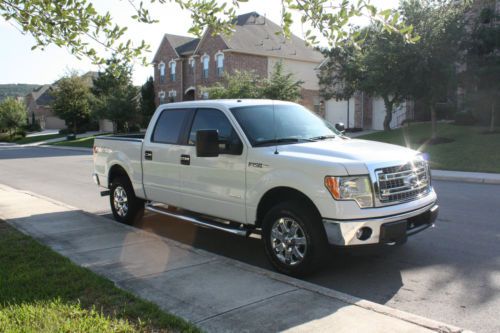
(277, 195)
(116, 171)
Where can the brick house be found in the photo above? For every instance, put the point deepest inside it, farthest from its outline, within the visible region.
(183, 64)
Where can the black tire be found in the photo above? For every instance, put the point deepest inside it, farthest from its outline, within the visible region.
(134, 206)
(312, 231)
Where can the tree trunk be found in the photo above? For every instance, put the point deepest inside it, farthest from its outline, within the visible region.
(388, 113)
(492, 121)
(433, 122)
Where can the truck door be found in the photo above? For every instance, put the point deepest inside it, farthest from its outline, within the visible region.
(161, 151)
(215, 185)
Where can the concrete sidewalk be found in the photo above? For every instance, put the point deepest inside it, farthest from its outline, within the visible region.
(214, 292)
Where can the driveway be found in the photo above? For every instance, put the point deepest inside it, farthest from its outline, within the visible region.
(450, 273)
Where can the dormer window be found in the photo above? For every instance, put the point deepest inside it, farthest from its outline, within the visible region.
(172, 64)
(161, 68)
(205, 60)
(219, 59)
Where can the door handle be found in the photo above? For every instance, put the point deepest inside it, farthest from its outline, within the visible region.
(185, 159)
(148, 155)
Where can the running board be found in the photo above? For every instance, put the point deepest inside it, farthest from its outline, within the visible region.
(200, 222)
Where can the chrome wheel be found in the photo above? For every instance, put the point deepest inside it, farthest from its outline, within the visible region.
(288, 241)
(120, 201)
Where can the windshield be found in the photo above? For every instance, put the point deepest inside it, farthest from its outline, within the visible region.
(290, 124)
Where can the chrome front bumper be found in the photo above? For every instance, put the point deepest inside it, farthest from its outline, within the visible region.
(384, 230)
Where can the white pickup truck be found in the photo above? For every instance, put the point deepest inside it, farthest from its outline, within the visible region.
(272, 168)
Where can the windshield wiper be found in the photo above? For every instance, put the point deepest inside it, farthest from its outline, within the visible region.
(281, 140)
(322, 137)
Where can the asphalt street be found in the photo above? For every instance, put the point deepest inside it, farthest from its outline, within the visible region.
(450, 273)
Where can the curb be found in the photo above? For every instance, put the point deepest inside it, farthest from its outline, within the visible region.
(466, 177)
(343, 297)
(65, 148)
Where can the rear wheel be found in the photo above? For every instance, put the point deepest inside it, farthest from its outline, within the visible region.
(126, 207)
(294, 238)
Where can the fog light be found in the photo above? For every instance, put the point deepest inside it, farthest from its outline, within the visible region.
(363, 233)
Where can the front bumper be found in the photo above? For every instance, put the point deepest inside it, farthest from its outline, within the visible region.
(382, 230)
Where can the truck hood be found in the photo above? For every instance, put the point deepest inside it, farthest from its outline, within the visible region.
(356, 155)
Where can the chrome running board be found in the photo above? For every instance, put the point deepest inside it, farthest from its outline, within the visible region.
(240, 231)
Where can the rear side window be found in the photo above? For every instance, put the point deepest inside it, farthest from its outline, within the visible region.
(169, 126)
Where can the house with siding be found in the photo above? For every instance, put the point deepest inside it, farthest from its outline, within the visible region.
(184, 64)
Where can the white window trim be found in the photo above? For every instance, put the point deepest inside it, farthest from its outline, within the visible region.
(219, 53)
(172, 93)
(172, 68)
(202, 59)
(160, 66)
(191, 62)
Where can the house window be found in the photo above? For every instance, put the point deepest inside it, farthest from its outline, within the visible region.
(161, 96)
(161, 67)
(171, 96)
(205, 59)
(191, 63)
(219, 58)
(172, 66)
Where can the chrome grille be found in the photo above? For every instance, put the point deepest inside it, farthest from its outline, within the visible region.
(403, 183)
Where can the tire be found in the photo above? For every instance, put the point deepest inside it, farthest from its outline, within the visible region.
(297, 227)
(126, 207)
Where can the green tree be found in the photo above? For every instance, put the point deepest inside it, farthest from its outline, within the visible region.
(281, 85)
(12, 115)
(242, 84)
(78, 26)
(482, 75)
(386, 65)
(440, 25)
(72, 100)
(116, 98)
(147, 102)
(380, 68)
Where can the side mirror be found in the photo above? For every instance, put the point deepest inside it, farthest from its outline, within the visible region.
(340, 127)
(207, 143)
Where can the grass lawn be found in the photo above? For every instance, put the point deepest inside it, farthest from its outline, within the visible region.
(87, 142)
(471, 150)
(42, 291)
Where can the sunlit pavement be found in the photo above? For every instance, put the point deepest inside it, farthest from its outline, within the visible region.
(450, 273)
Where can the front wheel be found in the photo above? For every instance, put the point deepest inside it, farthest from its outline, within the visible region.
(294, 238)
(126, 207)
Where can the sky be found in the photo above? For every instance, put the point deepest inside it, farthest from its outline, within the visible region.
(19, 64)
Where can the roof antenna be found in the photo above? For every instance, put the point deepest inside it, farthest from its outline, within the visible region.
(276, 152)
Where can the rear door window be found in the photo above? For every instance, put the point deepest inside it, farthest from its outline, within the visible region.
(169, 126)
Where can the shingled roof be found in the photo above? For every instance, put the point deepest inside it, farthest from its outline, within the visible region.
(253, 34)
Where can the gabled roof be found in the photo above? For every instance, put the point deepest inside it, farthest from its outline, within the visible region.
(255, 34)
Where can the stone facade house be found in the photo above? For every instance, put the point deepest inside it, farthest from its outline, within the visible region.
(183, 64)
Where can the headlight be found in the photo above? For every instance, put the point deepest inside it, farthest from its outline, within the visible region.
(357, 188)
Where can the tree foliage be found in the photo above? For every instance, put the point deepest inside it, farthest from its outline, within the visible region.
(78, 26)
(280, 86)
(72, 101)
(386, 65)
(482, 76)
(116, 97)
(13, 115)
(147, 102)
